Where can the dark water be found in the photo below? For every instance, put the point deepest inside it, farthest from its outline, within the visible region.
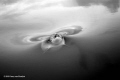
(93, 54)
(94, 57)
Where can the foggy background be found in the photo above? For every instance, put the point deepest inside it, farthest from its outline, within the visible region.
(91, 54)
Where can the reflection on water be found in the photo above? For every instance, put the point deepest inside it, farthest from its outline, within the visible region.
(80, 57)
(91, 54)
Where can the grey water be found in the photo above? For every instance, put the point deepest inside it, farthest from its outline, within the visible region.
(92, 54)
(81, 58)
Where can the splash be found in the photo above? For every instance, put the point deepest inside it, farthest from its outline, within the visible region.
(55, 40)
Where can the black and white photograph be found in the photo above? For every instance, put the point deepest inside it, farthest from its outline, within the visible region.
(59, 39)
